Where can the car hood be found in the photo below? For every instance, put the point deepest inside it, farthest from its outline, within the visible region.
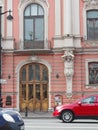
(15, 114)
(66, 106)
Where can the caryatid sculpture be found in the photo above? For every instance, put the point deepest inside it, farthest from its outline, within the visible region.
(68, 58)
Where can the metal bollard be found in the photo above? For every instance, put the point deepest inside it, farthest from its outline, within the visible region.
(26, 111)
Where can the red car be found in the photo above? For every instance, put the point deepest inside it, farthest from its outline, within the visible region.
(85, 108)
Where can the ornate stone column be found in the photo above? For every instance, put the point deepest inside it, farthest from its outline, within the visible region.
(68, 58)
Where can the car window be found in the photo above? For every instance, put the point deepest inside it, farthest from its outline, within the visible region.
(89, 100)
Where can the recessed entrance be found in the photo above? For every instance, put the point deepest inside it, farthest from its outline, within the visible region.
(34, 87)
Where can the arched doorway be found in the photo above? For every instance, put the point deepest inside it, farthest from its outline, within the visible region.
(34, 87)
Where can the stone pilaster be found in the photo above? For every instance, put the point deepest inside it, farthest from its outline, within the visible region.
(67, 17)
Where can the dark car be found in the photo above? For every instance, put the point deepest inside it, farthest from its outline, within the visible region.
(10, 120)
(85, 108)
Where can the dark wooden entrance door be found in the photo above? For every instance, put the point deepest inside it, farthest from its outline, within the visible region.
(34, 87)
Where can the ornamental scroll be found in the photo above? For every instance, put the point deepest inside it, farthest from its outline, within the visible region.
(68, 58)
(90, 4)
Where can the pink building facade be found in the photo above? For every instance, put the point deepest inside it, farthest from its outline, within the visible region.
(49, 52)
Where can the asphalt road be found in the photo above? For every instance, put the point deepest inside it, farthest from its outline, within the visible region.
(55, 124)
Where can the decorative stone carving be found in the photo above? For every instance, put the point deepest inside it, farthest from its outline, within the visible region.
(91, 3)
(22, 1)
(33, 58)
(68, 63)
(68, 58)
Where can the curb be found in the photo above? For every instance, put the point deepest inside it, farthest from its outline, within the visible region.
(37, 115)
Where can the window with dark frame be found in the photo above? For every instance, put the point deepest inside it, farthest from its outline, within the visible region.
(92, 25)
(93, 72)
(34, 23)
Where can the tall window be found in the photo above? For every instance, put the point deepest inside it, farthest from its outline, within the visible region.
(93, 72)
(92, 25)
(34, 23)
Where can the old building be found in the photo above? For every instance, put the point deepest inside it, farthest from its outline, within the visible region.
(49, 52)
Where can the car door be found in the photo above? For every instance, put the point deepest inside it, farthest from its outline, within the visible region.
(86, 107)
(96, 106)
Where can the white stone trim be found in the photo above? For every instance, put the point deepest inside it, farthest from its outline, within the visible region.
(2, 17)
(87, 6)
(1, 2)
(9, 22)
(57, 17)
(87, 73)
(71, 17)
(31, 60)
(67, 17)
(84, 25)
(71, 20)
(8, 41)
(21, 10)
(76, 17)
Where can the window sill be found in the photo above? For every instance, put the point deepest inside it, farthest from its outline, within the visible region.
(91, 41)
(94, 86)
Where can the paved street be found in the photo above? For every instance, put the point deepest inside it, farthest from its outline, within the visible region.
(55, 124)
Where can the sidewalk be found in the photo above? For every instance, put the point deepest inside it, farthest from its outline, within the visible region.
(37, 115)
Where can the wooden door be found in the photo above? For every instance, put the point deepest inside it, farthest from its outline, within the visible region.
(34, 89)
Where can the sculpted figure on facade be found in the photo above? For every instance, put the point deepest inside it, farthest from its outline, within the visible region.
(68, 63)
(68, 58)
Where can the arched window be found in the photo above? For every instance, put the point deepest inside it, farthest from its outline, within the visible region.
(33, 25)
(92, 25)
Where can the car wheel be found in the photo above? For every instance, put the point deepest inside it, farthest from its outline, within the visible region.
(67, 116)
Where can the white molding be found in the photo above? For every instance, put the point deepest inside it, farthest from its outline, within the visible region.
(75, 17)
(2, 20)
(67, 17)
(8, 43)
(88, 6)
(87, 73)
(8, 40)
(57, 17)
(60, 42)
(1, 2)
(9, 22)
(71, 34)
